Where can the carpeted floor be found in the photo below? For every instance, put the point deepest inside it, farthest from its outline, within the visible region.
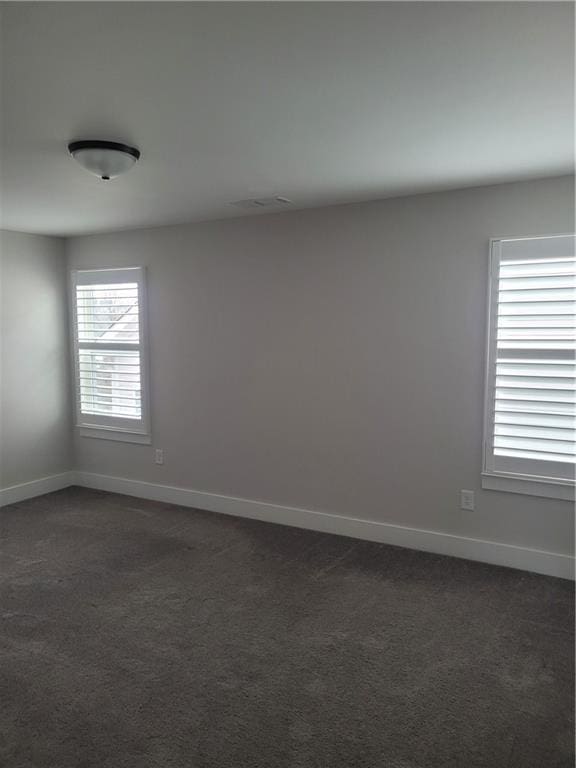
(138, 634)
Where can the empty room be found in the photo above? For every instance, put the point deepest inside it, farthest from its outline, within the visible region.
(287, 384)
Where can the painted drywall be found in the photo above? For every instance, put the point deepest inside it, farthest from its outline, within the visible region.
(320, 102)
(35, 423)
(333, 359)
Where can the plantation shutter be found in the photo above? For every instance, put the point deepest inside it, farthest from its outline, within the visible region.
(108, 329)
(531, 393)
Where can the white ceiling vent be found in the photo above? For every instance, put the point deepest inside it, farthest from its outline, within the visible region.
(263, 202)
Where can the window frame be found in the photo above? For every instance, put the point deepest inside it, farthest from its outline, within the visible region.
(113, 427)
(513, 475)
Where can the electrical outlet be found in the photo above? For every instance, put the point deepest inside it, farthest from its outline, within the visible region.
(159, 456)
(467, 500)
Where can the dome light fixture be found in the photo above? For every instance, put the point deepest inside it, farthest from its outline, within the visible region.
(105, 159)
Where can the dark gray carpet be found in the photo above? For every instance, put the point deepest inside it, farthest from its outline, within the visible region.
(139, 634)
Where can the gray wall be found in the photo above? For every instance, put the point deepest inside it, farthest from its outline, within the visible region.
(35, 438)
(332, 359)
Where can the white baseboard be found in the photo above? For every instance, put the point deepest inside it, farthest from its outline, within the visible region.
(23, 491)
(497, 553)
(535, 560)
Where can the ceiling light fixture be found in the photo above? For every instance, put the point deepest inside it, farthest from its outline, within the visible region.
(105, 159)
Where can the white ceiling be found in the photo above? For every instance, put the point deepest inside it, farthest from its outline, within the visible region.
(319, 102)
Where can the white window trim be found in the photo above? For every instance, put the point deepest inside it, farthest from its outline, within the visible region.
(116, 429)
(498, 480)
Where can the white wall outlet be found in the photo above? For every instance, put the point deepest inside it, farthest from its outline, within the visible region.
(467, 500)
(159, 456)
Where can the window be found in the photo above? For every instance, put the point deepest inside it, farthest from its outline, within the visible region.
(110, 353)
(530, 422)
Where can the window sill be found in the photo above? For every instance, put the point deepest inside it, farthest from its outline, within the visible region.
(548, 488)
(123, 436)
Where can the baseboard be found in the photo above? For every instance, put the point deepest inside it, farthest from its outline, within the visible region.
(496, 553)
(23, 491)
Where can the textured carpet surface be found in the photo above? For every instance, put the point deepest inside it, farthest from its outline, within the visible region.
(139, 634)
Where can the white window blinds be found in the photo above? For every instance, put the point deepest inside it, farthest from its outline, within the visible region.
(531, 392)
(109, 349)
